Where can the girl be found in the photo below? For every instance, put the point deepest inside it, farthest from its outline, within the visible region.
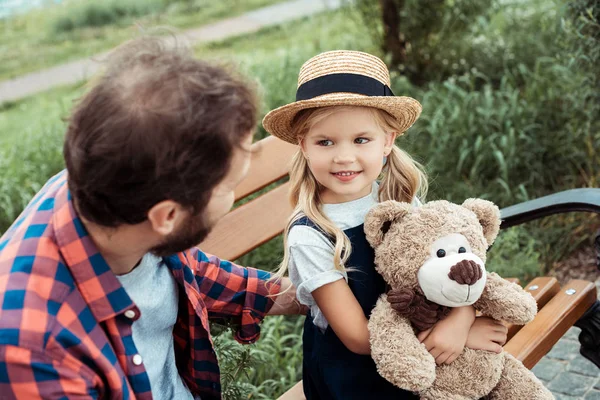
(345, 121)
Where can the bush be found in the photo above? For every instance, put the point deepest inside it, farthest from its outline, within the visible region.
(514, 254)
(266, 369)
(30, 148)
(424, 40)
(510, 144)
(85, 13)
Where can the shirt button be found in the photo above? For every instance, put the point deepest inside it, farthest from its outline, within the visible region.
(137, 359)
(130, 314)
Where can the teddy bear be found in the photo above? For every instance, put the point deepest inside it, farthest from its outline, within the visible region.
(433, 258)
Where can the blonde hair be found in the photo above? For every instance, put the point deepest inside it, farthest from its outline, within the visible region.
(402, 178)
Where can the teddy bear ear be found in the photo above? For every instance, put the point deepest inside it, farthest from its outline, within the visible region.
(380, 217)
(488, 215)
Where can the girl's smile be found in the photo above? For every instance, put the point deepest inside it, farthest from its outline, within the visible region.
(346, 176)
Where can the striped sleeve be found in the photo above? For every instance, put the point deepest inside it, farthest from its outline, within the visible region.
(228, 290)
(26, 374)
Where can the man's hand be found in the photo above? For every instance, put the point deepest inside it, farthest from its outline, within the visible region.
(286, 302)
(487, 334)
(446, 340)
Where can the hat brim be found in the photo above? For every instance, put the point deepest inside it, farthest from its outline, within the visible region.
(405, 109)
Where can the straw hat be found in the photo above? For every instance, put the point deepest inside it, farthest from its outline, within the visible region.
(342, 77)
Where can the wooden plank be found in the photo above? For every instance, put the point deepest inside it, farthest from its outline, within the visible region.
(250, 225)
(271, 158)
(295, 393)
(536, 338)
(542, 289)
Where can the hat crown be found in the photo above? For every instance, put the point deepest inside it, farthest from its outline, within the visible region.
(344, 62)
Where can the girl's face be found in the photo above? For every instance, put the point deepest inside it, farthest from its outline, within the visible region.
(345, 153)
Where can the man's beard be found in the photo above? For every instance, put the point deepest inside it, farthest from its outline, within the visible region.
(189, 235)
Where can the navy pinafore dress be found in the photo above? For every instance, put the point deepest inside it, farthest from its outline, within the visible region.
(330, 371)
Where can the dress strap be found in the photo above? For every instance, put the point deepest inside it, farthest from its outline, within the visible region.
(305, 221)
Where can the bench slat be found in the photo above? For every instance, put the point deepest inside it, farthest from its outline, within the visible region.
(536, 338)
(250, 225)
(542, 289)
(270, 161)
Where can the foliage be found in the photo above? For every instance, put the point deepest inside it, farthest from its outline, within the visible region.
(511, 146)
(30, 148)
(431, 35)
(266, 369)
(94, 14)
(514, 254)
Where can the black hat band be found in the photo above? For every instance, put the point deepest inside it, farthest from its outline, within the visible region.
(334, 83)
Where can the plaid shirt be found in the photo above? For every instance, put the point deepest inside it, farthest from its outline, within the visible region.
(65, 320)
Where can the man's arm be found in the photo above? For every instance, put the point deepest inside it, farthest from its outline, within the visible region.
(230, 291)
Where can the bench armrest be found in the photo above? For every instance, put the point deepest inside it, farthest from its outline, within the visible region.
(587, 200)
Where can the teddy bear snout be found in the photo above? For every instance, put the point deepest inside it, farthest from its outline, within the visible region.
(465, 272)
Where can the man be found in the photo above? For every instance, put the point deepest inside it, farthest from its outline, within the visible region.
(102, 292)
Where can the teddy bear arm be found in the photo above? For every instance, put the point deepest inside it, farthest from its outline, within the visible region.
(506, 301)
(400, 357)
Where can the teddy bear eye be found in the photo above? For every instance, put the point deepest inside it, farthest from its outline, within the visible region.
(441, 253)
(462, 250)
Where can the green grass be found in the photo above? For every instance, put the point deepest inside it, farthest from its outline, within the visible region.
(82, 28)
(41, 112)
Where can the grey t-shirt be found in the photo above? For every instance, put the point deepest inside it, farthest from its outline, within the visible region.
(153, 289)
(311, 253)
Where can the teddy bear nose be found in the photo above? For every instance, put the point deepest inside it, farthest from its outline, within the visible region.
(465, 272)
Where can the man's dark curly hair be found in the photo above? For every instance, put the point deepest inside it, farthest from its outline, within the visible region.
(158, 124)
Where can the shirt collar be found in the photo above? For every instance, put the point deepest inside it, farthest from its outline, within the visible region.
(352, 213)
(98, 285)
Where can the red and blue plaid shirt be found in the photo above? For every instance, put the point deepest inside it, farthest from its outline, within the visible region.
(65, 320)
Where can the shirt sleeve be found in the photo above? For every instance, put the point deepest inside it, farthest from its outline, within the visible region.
(229, 290)
(27, 374)
(311, 262)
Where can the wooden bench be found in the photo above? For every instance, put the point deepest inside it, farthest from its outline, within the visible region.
(261, 219)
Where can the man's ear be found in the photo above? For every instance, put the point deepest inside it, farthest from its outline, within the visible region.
(163, 216)
(488, 215)
(380, 218)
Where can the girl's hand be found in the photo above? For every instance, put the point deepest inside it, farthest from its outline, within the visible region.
(446, 340)
(487, 334)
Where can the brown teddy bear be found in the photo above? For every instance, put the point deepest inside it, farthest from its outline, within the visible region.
(433, 258)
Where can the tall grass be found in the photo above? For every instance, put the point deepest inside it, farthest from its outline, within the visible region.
(81, 14)
(31, 137)
(248, 371)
